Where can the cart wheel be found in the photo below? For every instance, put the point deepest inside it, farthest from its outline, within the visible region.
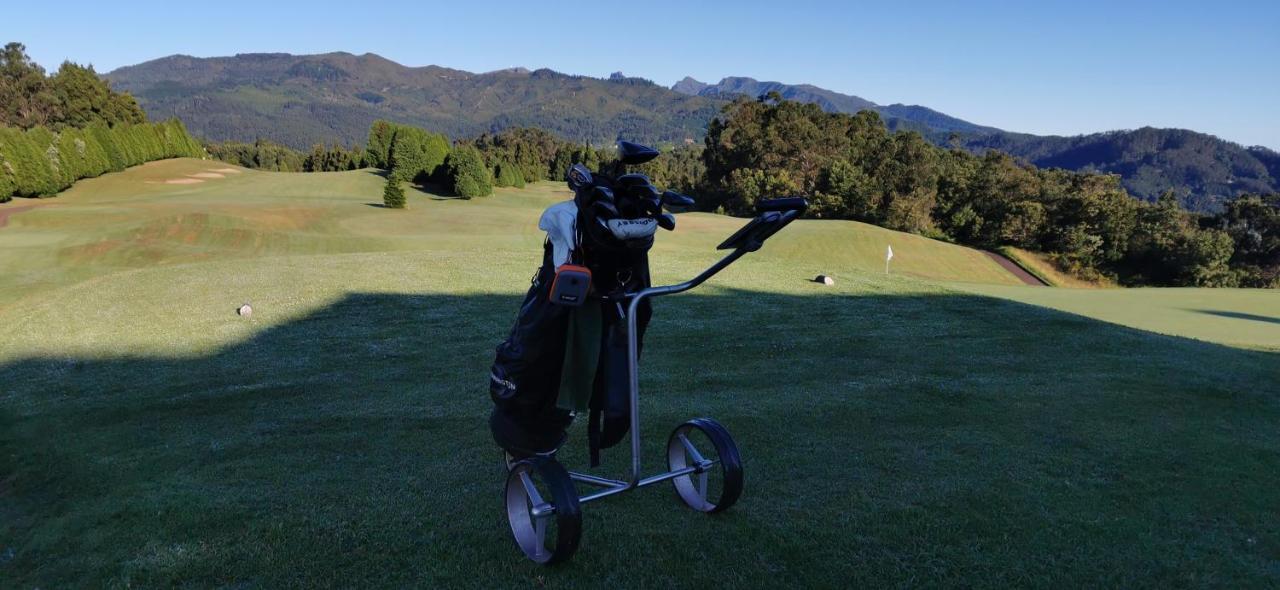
(543, 510)
(716, 482)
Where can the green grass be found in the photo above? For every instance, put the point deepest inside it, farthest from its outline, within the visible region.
(896, 431)
(1248, 318)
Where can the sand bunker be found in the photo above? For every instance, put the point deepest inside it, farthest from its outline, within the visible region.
(183, 181)
(226, 170)
(206, 175)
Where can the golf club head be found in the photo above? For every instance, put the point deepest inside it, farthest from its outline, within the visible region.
(674, 201)
(578, 177)
(666, 221)
(634, 153)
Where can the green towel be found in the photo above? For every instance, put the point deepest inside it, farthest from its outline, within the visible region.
(581, 357)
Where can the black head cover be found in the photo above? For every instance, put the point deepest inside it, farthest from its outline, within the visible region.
(634, 153)
(578, 177)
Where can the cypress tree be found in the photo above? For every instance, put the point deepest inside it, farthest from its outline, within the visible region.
(507, 174)
(33, 176)
(7, 184)
(381, 134)
(392, 194)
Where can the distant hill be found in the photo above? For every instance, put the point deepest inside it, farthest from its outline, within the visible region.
(301, 100)
(1206, 171)
(898, 116)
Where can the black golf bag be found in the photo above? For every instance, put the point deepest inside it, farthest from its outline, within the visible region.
(614, 224)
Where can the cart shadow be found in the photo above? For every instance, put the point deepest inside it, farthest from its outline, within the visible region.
(339, 427)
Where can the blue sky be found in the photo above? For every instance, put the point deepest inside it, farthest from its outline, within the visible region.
(1039, 67)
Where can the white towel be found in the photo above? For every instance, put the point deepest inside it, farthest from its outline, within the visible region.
(560, 221)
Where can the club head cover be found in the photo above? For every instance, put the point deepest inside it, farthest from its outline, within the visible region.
(666, 221)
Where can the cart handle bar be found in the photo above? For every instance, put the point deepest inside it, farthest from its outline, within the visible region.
(769, 222)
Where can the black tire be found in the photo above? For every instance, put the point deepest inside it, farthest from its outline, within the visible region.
(729, 462)
(548, 478)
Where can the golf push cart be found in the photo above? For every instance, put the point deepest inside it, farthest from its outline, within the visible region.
(575, 347)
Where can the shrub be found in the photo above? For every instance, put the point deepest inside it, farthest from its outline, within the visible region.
(393, 195)
(467, 173)
(26, 163)
(506, 174)
(417, 155)
(6, 180)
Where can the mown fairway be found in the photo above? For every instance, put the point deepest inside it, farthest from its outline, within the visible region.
(896, 431)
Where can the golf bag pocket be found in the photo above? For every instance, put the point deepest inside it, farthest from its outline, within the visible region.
(571, 284)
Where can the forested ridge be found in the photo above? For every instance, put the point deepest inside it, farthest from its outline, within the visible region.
(302, 100)
(1203, 171)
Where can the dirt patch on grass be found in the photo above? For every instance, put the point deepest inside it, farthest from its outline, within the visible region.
(183, 181)
(85, 253)
(275, 219)
(7, 212)
(206, 175)
(226, 170)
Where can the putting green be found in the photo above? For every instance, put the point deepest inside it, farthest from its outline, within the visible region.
(1248, 318)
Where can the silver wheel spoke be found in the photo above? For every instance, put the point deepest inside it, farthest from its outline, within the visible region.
(694, 455)
(540, 526)
(702, 487)
(530, 490)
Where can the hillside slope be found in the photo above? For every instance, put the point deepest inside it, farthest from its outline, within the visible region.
(932, 123)
(300, 100)
(1204, 170)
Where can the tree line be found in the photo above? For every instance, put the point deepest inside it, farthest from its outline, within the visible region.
(852, 167)
(55, 130)
(267, 155)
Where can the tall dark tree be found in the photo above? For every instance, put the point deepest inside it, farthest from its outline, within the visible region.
(26, 99)
(379, 145)
(85, 99)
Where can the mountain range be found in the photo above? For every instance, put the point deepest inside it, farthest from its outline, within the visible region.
(301, 100)
(896, 116)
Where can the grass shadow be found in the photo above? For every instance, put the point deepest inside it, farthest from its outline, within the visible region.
(951, 432)
(1239, 315)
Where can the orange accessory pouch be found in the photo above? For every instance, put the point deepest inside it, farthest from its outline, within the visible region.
(571, 284)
